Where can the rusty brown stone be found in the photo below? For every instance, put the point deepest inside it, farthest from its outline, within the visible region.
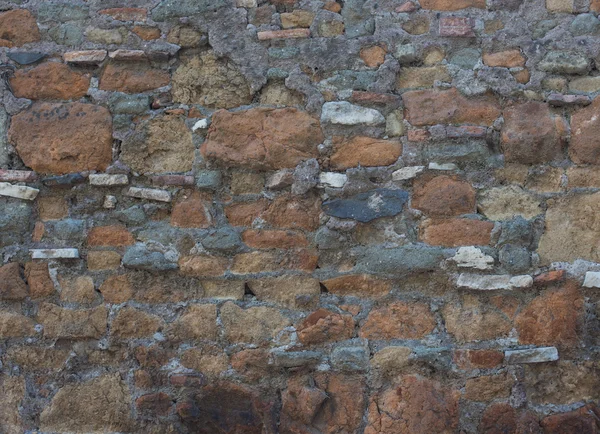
(132, 77)
(12, 286)
(109, 236)
(358, 285)
(443, 195)
(457, 232)
(325, 326)
(50, 80)
(398, 320)
(363, 151)
(191, 211)
(18, 27)
(273, 239)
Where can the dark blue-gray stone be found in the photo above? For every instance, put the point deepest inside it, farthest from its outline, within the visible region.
(66, 34)
(15, 218)
(515, 259)
(66, 230)
(24, 58)
(139, 257)
(516, 231)
(223, 239)
(368, 206)
(134, 215)
(66, 180)
(412, 258)
(182, 8)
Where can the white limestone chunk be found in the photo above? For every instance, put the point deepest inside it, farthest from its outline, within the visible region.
(200, 125)
(18, 191)
(407, 173)
(54, 253)
(472, 257)
(344, 113)
(445, 166)
(333, 179)
(107, 180)
(531, 355)
(491, 282)
(149, 193)
(592, 279)
(523, 281)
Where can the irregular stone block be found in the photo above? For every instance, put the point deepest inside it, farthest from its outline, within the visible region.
(84, 57)
(50, 80)
(102, 179)
(493, 282)
(368, 206)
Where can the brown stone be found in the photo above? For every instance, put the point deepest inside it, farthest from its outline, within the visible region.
(98, 405)
(134, 323)
(164, 144)
(478, 359)
(38, 278)
(199, 321)
(550, 277)
(50, 80)
(415, 405)
(247, 182)
(563, 382)
(422, 76)
(373, 56)
(208, 359)
(116, 289)
(37, 358)
(203, 266)
(531, 134)
(472, 321)
(72, 324)
(325, 326)
(585, 419)
(288, 291)
(63, 138)
(13, 394)
(98, 260)
(191, 211)
(13, 325)
(363, 151)
(273, 239)
(154, 404)
(297, 18)
(489, 387)
(18, 27)
(552, 318)
(502, 419)
(254, 325)
(187, 37)
(77, 290)
(257, 139)
(126, 14)
(430, 107)
(211, 82)
(506, 202)
(12, 286)
(443, 196)
(457, 232)
(417, 25)
(289, 212)
(244, 213)
(276, 93)
(585, 130)
(147, 33)
(398, 320)
(52, 207)
(109, 236)
(505, 59)
(132, 77)
(162, 288)
(358, 285)
(252, 363)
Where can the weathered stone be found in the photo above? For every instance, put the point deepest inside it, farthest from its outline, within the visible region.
(533, 355)
(283, 34)
(562, 382)
(422, 76)
(134, 323)
(325, 326)
(472, 257)
(488, 387)
(504, 203)
(457, 27)
(399, 320)
(98, 260)
(332, 179)
(443, 195)
(368, 206)
(585, 24)
(203, 266)
(132, 77)
(564, 62)
(63, 138)
(54, 253)
(359, 285)
(50, 80)
(14, 325)
(255, 138)
(373, 56)
(253, 325)
(532, 134)
(207, 359)
(98, 405)
(115, 236)
(363, 151)
(472, 321)
(306, 176)
(407, 173)
(505, 59)
(199, 321)
(139, 256)
(493, 281)
(26, 58)
(149, 194)
(38, 279)
(18, 191)
(77, 290)
(457, 232)
(191, 211)
(401, 260)
(12, 286)
(116, 289)
(477, 359)
(72, 324)
(289, 212)
(344, 113)
(85, 57)
(18, 27)
(445, 5)
(584, 84)
(583, 419)
(585, 127)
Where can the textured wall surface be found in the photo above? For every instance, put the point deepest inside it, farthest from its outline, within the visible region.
(300, 216)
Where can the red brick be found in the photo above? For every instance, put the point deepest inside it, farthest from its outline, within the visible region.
(363, 151)
(398, 320)
(457, 27)
(132, 77)
(50, 80)
(443, 195)
(273, 239)
(244, 213)
(550, 277)
(457, 232)
(109, 236)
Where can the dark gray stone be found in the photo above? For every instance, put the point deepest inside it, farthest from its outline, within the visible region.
(516, 231)
(15, 218)
(368, 206)
(357, 19)
(66, 34)
(327, 239)
(132, 216)
(350, 358)
(565, 62)
(66, 230)
(64, 180)
(139, 257)
(24, 58)
(4, 156)
(355, 80)
(129, 104)
(183, 8)
(515, 259)
(223, 239)
(543, 27)
(466, 58)
(402, 260)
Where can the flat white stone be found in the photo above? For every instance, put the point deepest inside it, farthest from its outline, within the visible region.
(149, 193)
(18, 191)
(407, 173)
(333, 179)
(531, 355)
(200, 125)
(344, 113)
(472, 257)
(592, 279)
(106, 179)
(54, 253)
(445, 166)
(523, 281)
(493, 281)
(86, 56)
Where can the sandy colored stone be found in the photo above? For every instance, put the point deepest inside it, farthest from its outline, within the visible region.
(325, 326)
(289, 212)
(13, 394)
(163, 144)
(116, 289)
(571, 230)
(363, 151)
(297, 18)
(489, 387)
(470, 321)
(50, 80)
(505, 59)
(457, 232)
(253, 325)
(52, 207)
(584, 147)
(98, 405)
(246, 182)
(207, 359)
(583, 177)
(443, 196)
(63, 138)
(211, 82)
(12, 285)
(198, 321)
(562, 382)
(13, 325)
(126, 14)
(422, 76)
(390, 361)
(132, 77)
(18, 27)
(38, 358)
(358, 285)
(191, 210)
(77, 290)
(38, 278)
(65, 323)
(414, 405)
(287, 291)
(262, 138)
(545, 180)
(398, 320)
(276, 93)
(184, 36)
(109, 236)
(553, 318)
(98, 260)
(146, 33)
(255, 262)
(223, 289)
(373, 56)
(203, 266)
(134, 323)
(504, 203)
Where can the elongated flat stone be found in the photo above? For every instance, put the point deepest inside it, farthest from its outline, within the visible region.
(107, 180)
(333, 179)
(531, 355)
(283, 34)
(493, 281)
(368, 206)
(149, 194)
(127, 55)
(17, 175)
(65, 180)
(87, 56)
(407, 173)
(54, 253)
(26, 58)
(592, 279)
(18, 191)
(344, 113)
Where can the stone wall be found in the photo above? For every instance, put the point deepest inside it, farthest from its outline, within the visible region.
(300, 216)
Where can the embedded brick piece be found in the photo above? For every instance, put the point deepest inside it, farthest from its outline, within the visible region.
(457, 27)
(457, 232)
(132, 77)
(443, 196)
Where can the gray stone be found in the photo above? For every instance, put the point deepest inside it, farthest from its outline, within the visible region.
(358, 20)
(585, 24)
(64, 180)
(344, 113)
(306, 176)
(405, 53)
(210, 179)
(66, 230)
(296, 359)
(516, 231)
(149, 194)
(224, 239)
(61, 12)
(133, 215)
(128, 104)
(402, 260)
(4, 158)
(531, 355)
(66, 34)
(25, 58)
(559, 100)
(350, 358)
(504, 5)
(515, 259)
(466, 58)
(15, 218)
(54, 253)
(140, 257)
(283, 52)
(183, 8)
(439, 358)
(277, 73)
(543, 27)
(349, 80)
(327, 239)
(565, 62)
(368, 206)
